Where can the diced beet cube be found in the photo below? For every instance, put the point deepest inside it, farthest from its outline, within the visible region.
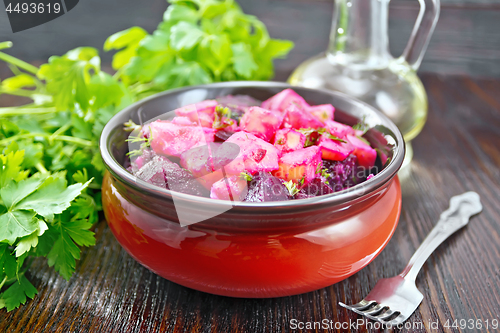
(317, 186)
(261, 122)
(251, 157)
(223, 134)
(172, 139)
(323, 112)
(365, 153)
(162, 172)
(297, 118)
(181, 180)
(265, 187)
(152, 172)
(138, 161)
(288, 140)
(338, 129)
(202, 113)
(334, 150)
(231, 188)
(282, 100)
(300, 166)
(343, 174)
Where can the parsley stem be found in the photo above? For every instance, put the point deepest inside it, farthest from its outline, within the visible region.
(5, 45)
(22, 92)
(14, 69)
(39, 166)
(77, 141)
(61, 129)
(3, 282)
(17, 111)
(19, 63)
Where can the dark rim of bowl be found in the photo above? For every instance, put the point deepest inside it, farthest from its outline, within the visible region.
(337, 198)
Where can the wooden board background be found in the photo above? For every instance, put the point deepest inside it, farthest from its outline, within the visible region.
(466, 40)
(457, 151)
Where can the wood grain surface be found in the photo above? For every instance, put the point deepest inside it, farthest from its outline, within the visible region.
(458, 151)
(466, 39)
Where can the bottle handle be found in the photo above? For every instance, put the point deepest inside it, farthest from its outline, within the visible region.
(421, 33)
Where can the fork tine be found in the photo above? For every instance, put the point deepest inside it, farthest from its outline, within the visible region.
(361, 305)
(398, 320)
(385, 315)
(375, 310)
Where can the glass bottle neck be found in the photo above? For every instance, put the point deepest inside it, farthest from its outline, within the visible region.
(359, 37)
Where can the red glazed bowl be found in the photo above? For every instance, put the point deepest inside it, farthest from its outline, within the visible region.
(267, 249)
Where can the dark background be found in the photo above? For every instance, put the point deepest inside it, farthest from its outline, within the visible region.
(466, 40)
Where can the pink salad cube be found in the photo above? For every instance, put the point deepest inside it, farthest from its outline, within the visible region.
(232, 188)
(334, 150)
(288, 140)
(364, 152)
(323, 112)
(300, 166)
(172, 140)
(184, 121)
(255, 154)
(207, 162)
(297, 118)
(199, 160)
(202, 113)
(261, 122)
(338, 129)
(282, 100)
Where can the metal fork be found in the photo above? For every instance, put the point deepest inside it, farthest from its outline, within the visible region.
(393, 300)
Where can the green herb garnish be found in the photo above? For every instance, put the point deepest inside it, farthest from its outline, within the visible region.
(291, 187)
(362, 125)
(222, 117)
(246, 176)
(313, 135)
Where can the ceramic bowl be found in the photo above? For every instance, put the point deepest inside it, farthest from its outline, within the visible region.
(266, 249)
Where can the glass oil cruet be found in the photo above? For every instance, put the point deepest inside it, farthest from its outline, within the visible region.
(358, 62)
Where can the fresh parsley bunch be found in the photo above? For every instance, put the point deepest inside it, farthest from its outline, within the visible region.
(46, 145)
(50, 166)
(38, 217)
(199, 41)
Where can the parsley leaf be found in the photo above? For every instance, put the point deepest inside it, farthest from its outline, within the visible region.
(65, 252)
(52, 197)
(10, 167)
(16, 294)
(18, 223)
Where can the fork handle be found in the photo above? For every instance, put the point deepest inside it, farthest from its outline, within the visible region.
(462, 207)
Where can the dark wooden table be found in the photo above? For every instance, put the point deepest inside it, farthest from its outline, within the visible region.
(458, 151)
